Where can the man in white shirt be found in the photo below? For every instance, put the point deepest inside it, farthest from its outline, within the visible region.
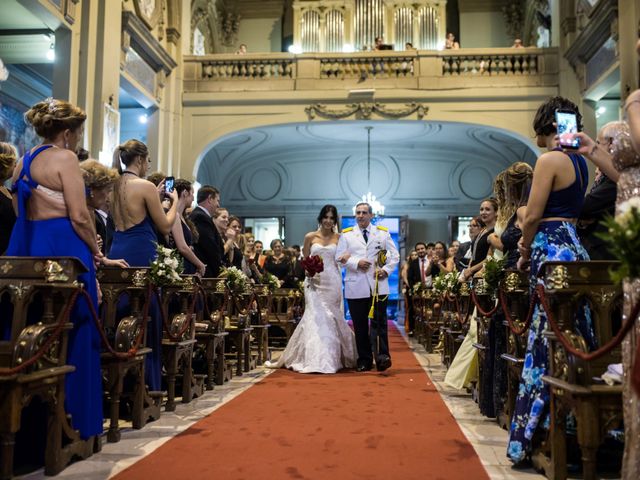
(362, 246)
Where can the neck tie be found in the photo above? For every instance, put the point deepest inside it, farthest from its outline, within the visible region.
(422, 275)
(365, 235)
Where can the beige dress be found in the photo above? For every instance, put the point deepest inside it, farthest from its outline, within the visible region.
(628, 165)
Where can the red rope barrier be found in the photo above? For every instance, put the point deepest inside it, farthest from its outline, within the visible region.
(64, 317)
(482, 312)
(624, 329)
(133, 351)
(187, 325)
(507, 313)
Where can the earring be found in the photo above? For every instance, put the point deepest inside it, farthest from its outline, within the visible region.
(66, 145)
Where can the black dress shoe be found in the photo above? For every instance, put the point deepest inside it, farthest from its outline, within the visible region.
(410, 333)
(383, 362)
(363, 368)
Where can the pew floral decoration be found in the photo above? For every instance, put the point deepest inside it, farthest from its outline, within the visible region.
(166, 268)
(493, 273)
(312, 265)
(235, 280)
(446, 284)
(271, 281)
(623, 238)
(418, 288)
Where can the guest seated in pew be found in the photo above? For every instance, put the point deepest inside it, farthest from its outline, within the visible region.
(137, 213)
(548, 233)
(8, 158)
(53, 220)
(183, 233)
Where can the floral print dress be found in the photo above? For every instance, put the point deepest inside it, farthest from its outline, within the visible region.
(557, 241)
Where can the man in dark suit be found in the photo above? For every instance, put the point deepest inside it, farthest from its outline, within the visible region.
(415, 275)
(209, 248)
(600, 201)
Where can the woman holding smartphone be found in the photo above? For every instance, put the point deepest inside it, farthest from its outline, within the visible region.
(548, 233)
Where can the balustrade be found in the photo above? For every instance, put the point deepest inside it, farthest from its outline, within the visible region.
(421, 69)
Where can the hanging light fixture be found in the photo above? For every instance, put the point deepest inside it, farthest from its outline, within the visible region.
(376, 206)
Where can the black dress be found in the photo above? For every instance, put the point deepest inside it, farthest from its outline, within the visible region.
(7, 220)
(510, 238)
(281, 269)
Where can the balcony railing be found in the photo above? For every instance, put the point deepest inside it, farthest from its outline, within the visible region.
(428, 69)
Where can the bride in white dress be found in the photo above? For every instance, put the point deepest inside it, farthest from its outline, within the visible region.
(322, 342)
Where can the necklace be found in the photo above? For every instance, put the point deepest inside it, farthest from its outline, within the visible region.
(131, 173)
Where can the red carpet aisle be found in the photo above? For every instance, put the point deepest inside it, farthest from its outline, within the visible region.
(339, 427)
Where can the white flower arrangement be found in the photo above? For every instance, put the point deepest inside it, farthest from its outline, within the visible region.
(446, 283)
(623, 239)
(235, 280)
(166, 268)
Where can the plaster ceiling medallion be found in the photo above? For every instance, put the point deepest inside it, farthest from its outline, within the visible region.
(149, 11)
(476, 182)
(264, 184)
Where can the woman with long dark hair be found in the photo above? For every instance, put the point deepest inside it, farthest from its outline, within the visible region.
(322, 341)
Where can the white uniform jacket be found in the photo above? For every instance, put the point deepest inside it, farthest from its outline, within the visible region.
(359, 284)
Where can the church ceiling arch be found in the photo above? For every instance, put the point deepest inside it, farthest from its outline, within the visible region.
(411, 163)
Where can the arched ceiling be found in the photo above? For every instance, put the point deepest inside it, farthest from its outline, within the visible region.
(413, 164)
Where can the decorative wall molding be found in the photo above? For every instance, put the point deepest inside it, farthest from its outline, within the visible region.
(137, 35)
(365, 111)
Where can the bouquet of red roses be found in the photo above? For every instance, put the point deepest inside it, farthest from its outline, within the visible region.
(312, 265)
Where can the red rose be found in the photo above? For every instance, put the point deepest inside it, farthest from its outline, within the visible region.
(312, 265)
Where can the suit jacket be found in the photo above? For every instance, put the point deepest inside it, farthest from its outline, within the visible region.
(358, 284)
(413, 274)
(104, 228)
(599, 202)
(209, 247)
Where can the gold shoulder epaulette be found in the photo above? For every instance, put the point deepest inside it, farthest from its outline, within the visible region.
(380, 227)
(348, 229)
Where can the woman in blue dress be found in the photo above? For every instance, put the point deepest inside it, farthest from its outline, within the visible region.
(53, 220)
(548, 233)
(137, 212)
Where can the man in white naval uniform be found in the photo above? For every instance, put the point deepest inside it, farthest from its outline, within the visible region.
(360, 246)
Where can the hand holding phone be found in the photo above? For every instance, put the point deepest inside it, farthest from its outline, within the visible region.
(567, 126)
(168, 184)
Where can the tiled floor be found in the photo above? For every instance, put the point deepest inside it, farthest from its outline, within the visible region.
(488, 439)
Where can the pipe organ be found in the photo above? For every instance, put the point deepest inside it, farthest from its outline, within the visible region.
(349, 25)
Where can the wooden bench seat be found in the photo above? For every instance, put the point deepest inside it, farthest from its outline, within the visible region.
(51, 283)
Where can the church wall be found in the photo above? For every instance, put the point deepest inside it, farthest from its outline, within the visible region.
(261, 34)
(483, 30)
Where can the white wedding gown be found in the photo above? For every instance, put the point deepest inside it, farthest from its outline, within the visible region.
(322, 342)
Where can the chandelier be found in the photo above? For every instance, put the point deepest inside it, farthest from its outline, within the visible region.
(376, 206)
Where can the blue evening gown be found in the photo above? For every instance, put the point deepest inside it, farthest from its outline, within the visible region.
(56, 237)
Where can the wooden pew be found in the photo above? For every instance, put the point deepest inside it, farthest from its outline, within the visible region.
(239, 329)
(210, 332)
(515, 293)
(258, 315)
(597, 407)
(282, 315)
(179, 307)
(50, 282)
(487, 303)
(124, 331)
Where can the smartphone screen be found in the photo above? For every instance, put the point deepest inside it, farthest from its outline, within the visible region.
(168, 184)
(567, 128)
